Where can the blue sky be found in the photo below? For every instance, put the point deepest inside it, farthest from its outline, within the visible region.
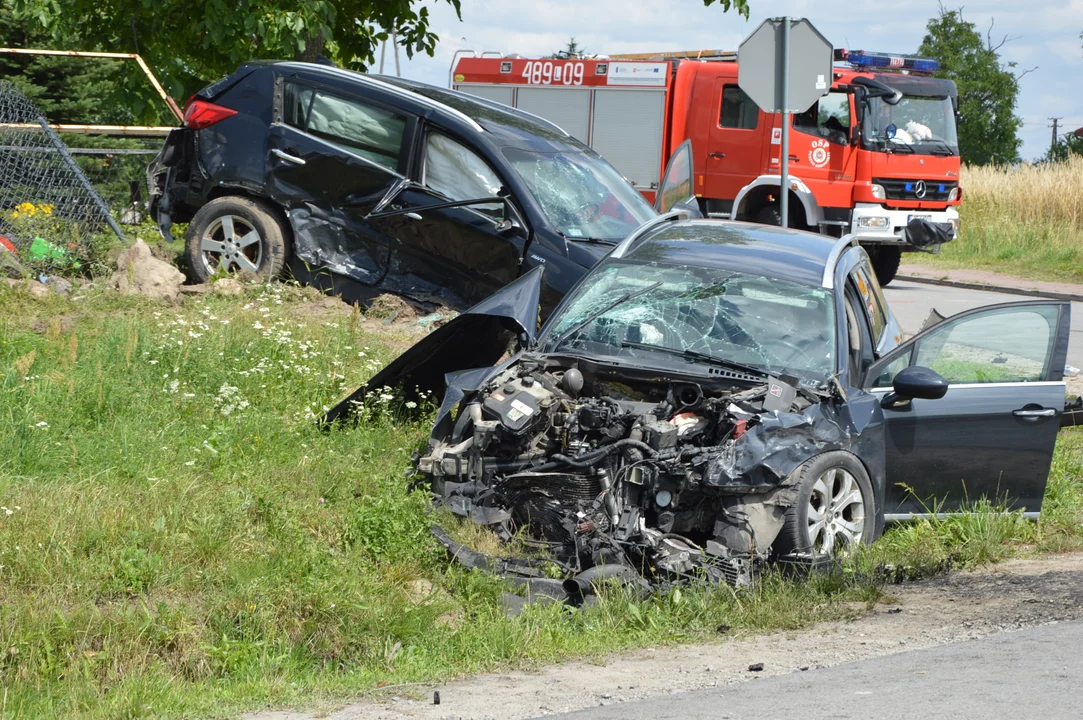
(1046, 37)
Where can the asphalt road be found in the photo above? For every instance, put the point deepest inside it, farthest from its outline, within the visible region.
(911, 303)
(1032, 673)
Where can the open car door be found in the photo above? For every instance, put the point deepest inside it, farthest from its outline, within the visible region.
(676, 186)
(992, 434)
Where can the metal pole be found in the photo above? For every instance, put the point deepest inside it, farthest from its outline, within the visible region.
(784, 181)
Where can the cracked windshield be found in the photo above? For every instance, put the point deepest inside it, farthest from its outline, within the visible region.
(584, 198)
(663, 312)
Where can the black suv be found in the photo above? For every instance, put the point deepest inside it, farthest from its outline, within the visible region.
(365, 184)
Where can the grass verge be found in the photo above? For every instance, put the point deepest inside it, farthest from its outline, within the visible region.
(1025, 221)
(178, 540)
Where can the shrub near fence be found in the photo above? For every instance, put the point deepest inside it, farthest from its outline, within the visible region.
(49, 210)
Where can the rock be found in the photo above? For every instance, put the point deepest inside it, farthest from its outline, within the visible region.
(36, 289)
(200, 289)
(10, 267)
(228, 286)
(61, 286)
(140, 273)
(755, 667)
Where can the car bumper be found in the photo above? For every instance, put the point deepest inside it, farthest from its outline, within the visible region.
(876, 224)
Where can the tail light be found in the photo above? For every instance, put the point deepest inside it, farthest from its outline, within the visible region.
(200, 114)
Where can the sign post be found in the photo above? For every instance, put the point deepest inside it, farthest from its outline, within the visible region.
(785, 66)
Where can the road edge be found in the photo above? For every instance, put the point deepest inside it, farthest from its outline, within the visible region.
(1072, 297)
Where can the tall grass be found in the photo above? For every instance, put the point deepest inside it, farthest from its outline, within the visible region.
(1026, 220)
(177, 539)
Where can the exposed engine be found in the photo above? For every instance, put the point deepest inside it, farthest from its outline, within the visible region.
(665, 477)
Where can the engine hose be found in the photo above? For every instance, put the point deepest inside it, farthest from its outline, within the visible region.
(591, 458)
(586, 582)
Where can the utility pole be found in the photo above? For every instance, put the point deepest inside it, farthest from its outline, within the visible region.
(1053, 144)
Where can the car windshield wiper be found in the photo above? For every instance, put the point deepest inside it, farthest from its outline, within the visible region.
(595, 315)
(945, 149)
(895, 147)
(599, 241)
(698, 357)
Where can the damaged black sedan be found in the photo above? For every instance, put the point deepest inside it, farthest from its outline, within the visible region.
(716, 394)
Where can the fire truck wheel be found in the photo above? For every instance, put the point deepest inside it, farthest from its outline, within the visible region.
(885, 261)
(769, 215)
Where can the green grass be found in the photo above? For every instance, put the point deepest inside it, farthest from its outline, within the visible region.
(177, 539)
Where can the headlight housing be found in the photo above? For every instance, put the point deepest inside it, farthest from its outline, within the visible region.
(878, 191)
(955, 194)
(874, 221)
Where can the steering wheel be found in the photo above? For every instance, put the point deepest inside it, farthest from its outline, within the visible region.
(588, 212)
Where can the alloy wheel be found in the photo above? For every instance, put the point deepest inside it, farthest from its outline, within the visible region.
(231, 243)
(836, 512)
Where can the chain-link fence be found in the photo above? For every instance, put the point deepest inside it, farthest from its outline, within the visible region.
(51, 215)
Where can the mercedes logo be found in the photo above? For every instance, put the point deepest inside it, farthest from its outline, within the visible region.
(919, 189)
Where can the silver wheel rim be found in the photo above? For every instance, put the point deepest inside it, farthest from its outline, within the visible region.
(230, 243)
(836, 513)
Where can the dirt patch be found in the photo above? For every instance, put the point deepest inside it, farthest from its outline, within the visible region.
(391, 308)
(961, 606)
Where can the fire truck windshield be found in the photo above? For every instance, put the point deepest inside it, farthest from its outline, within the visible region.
(583, 196)
(926, 125)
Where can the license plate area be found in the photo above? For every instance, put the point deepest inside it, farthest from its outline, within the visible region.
(918, 216)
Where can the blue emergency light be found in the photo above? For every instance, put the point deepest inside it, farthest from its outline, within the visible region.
(863, 59)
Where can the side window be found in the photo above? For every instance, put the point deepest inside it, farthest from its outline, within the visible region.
(738, 110)
(887, 374)
(828, 118)
(857, 331)
(457, 173)
(872, 299)
(357, 127)
(1009, 345)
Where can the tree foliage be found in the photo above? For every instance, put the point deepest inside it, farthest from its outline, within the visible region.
(1068, 146)
(571, 51)
(189, 43)
(988, 88)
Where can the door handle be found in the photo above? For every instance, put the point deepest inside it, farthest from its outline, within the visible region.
(412, 215)
(716, 155)
(282, 155)
(794, 158)
(1034, 413)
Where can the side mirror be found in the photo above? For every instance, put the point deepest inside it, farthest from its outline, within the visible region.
(915, 382)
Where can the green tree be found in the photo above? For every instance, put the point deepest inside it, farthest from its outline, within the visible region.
(572, 51)
(988, 88)
(65, 90)
(1069, 145)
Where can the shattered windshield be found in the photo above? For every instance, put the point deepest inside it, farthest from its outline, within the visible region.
(926, 124)
(763, 323)
(581, 195)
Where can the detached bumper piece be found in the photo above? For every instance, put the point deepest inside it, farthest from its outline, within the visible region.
(924, 233)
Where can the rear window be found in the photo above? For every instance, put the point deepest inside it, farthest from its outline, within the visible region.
(360, 128)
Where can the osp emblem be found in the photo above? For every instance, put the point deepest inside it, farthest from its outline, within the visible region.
(819, 155)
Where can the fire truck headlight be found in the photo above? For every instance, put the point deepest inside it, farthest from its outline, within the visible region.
(878, 191)
(873, 222)
(955, 193)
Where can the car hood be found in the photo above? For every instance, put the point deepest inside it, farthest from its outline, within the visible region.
(475, 339)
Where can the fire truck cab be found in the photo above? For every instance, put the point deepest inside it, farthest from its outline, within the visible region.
(874, 154)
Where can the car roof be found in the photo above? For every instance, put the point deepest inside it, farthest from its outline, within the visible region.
(460, 111)
(782, 253)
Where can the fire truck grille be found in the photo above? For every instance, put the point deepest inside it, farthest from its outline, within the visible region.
(898, 189)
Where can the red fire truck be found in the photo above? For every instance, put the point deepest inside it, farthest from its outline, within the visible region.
(877, 151)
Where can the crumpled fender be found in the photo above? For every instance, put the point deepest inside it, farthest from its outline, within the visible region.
(476, 339)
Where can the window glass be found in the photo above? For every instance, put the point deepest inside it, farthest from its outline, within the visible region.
(297, 101)
(677, 182)
(359, 128)
(738, 110)
(872, 299)
(828, 118)
(889, 371)
(457, 173)
(667, 314)
(1010, 345)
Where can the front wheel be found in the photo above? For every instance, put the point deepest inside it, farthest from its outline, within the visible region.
(233, 234)
(885, 262)
(835, 508)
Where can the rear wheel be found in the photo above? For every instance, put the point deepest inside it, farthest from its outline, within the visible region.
(769, 215)
(885, 262)
(835, 508)
(234, 234)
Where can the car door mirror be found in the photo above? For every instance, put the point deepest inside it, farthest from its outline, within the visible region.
(915, 382)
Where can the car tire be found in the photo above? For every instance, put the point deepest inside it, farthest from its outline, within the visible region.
(885, 263)
(835, 507)
(238, 233)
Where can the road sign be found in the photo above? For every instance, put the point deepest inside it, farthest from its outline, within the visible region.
(785, 66)
(760, 65)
